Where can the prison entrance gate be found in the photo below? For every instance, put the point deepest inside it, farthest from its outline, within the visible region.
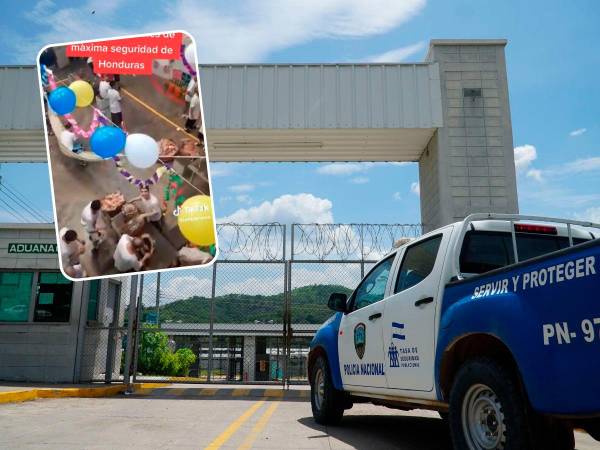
(249, 318)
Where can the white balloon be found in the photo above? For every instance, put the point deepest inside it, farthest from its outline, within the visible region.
(190, 54)
(141, 150)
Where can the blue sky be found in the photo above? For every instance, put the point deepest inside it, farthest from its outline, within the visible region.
(552, 63)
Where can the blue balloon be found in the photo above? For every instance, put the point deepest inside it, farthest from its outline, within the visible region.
(62, 100)
(107, 141)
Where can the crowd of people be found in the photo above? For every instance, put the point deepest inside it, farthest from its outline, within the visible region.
(134, 248)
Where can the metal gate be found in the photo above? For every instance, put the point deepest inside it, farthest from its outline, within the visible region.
(249, 318)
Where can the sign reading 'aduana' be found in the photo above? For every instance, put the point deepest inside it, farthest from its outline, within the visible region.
(22, 247)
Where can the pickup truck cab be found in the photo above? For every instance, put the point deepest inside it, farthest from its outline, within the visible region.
(493, 321)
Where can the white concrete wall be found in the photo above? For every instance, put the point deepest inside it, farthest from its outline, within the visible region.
(469, 166)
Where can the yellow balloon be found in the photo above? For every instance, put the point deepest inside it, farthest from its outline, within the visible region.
(195, 220)
(84, 93)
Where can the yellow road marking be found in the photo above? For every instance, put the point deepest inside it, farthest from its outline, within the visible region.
(233, 427)
(278, 393)
(258, 427)
(166, 119)
(240, 392)
(207, 392)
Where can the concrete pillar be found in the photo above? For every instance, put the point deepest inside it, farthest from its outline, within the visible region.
(468, 166)
(249, 358)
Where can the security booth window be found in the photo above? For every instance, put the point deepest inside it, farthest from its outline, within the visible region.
(53, 298)
(372, 288)
(15, 296)
(418, 263)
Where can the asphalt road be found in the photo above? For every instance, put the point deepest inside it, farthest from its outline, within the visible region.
(121, 422)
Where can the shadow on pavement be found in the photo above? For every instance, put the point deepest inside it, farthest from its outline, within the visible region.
(386, 432)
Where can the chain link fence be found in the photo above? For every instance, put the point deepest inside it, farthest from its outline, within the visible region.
(249, 318)
(105, 335)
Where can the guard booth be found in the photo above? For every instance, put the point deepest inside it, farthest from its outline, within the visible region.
(51, 329)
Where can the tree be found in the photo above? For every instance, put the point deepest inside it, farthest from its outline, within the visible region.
(157, 358)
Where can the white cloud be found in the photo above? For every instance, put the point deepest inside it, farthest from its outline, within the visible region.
(397, 196)
(220, 170)
(243, 198)
(535, 174)
(580, 166)
(342, 168)
(359, 180)
(524, 156)
(577, 132)
(297, 208)
(592, 214)
(415, 188)
(225, 32)
(242, 188)
(397, 54)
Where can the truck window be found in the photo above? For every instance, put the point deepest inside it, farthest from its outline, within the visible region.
(483, 251)
(418, 263)
(372, 288)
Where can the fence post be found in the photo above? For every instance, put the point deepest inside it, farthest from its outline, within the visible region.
(112, 333)
(158, 299)
(362, 251)
(211, 322)
(130, 333)
(137, 327)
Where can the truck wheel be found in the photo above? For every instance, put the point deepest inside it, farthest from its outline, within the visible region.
(487, 410)
(327, 402)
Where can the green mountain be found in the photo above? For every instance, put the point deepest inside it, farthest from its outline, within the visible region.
(308, 305)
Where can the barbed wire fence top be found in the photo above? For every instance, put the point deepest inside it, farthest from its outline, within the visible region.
(347, 242)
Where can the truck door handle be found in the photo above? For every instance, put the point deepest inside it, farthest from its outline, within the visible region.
(374, 316)
(424, 301)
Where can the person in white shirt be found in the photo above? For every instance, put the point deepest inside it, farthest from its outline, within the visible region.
(149, 205)
(70, 250)
(189, 93)
(193, 111)
(101, 88)
(114, 104)
(69, 140)
(190, 255)
(125, 254)
(90, 219)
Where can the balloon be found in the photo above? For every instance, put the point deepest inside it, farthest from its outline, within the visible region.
(141, 150)
(190, 54)
(107, 141)
(84, 93)
(195, 220)
(62, 100)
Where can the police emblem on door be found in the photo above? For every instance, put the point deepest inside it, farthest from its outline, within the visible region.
(359, 339)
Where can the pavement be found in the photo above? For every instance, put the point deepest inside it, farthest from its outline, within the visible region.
(159, 419)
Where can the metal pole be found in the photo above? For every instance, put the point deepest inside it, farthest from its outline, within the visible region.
(514, 240)
(130, 333)
(137, 327)
(362, 251)
(158, 299)
(570, 234)
(211, 323)
(112, 330)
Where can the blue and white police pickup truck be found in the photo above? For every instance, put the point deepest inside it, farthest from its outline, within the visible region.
(493, 321)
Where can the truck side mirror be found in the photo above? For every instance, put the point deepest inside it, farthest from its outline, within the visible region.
(337, 302)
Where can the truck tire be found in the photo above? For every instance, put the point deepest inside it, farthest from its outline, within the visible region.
(487, 409)
(327, 402)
